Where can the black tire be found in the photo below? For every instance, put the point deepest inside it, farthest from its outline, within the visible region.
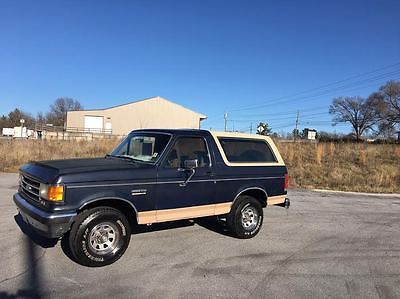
(245, 218)
(99, 236)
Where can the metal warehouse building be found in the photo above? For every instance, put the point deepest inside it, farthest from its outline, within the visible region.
(155, 112)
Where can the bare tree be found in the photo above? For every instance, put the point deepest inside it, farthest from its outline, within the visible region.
(58, 110)
(40, 119)
(390, 93)
(360, 113)
(3, 122)
(387, 106)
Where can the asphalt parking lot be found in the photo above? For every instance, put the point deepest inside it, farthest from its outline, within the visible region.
(325, 245)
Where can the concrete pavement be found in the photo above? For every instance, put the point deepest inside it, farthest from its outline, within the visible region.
(325, 245)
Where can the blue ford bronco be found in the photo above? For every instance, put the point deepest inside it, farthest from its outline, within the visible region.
(152, 176)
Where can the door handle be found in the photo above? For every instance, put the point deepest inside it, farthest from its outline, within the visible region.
(210, 173)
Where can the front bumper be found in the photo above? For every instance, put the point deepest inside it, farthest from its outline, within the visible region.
(50, 225)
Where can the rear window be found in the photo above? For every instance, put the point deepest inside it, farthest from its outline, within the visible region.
(247, 150)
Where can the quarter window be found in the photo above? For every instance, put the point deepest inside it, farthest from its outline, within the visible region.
(188, 148)
(246, 151)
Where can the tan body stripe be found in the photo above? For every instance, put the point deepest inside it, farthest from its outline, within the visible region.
(183, 213)
(274, 200)
(194, 212)
(146, 217)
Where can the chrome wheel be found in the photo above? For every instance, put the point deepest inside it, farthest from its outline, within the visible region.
(104, 238)
(249, 218)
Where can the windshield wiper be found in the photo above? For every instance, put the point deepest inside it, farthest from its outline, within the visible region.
(141, 161)
(120, 156)
(128, 158)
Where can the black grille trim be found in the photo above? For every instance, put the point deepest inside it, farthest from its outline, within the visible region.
(29, 188)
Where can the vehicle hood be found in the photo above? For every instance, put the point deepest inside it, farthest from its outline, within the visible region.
(88, 169)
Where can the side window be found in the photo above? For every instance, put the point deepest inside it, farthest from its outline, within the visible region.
(188, 148)
(246, 150)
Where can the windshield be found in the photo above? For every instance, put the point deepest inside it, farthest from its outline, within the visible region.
(144, 147)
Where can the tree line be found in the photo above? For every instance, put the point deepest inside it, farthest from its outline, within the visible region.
(56, 115)
(378, 114)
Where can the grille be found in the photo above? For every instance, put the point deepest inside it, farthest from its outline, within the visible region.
(29, 188)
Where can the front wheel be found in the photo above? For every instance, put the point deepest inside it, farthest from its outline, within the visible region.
(245, 218)
(99, 236)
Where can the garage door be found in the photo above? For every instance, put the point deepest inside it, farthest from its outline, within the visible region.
(94, 123)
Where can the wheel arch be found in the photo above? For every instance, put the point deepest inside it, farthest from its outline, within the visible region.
(121, 204)
(256, 192)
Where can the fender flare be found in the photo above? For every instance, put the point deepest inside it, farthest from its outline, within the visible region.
(247, 189)
(110, 197)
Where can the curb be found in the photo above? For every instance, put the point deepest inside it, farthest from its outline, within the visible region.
(391, 195)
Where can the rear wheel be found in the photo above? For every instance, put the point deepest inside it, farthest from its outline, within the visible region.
(245, 218)
(99, 236)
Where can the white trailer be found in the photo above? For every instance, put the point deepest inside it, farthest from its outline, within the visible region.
(20, 132)
(8, 132)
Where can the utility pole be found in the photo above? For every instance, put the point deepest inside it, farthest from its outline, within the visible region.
(22, 121)
(226, 121)
(251, 128)
(297, 125)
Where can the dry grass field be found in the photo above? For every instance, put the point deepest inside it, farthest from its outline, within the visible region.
(337, 166)
(360, 167)
(14, 153)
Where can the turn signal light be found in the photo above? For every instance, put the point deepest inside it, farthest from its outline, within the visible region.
(55, 193)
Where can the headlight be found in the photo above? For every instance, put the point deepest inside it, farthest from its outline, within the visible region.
(55, 193)
(43, 191)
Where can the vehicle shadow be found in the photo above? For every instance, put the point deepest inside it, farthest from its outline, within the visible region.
(213, 224)
(31, 284)
(35, 237)
(209, 223)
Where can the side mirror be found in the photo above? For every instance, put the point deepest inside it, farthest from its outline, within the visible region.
(191, 164)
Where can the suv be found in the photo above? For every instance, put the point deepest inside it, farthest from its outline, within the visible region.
(152, 176)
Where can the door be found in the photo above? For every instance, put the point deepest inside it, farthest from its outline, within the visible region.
(184, 192)
(93, 124)
(108, 128)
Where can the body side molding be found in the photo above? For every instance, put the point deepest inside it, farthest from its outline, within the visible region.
(175, 182)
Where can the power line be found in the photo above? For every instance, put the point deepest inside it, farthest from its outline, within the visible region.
(288, 115)
(349, 87)
(263, 116)
(311, 109)
(279, 118)
(344, 87)
(249, 107)
(285, 112)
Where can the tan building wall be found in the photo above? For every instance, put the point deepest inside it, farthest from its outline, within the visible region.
(152, 113)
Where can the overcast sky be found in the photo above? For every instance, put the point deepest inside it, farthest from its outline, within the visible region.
(252, 59)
